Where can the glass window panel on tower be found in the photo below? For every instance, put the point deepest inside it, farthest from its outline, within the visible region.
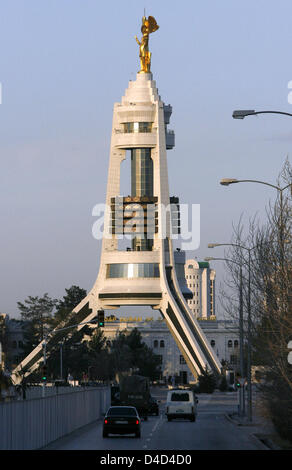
(132, 270)
(136, 127)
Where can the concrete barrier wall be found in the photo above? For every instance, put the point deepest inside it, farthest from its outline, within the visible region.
(32, 424)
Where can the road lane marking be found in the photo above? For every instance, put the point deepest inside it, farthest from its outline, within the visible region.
(153, 430)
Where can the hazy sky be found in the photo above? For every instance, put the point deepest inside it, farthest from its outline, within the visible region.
(63, 64)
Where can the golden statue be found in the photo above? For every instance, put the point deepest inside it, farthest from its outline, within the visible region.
(148, 26)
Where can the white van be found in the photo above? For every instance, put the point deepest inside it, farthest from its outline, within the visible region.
(181, 404)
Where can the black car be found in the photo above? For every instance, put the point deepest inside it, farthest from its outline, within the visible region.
(121, 420)
(153, 408)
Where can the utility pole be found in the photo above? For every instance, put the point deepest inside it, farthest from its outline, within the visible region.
(44, 378)
(61, 359)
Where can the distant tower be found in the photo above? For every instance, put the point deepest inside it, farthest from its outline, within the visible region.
(149, 272)
(200, 279)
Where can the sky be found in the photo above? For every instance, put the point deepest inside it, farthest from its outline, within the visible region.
(63, 65)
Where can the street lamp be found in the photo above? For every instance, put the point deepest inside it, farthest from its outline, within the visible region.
(227, 182)
(242, 113)
(249, 389)
(242, 399)
(44, 345)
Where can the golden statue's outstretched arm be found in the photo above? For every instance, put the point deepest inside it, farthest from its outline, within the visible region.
(138, 41)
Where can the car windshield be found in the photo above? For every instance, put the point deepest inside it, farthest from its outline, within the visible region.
(122, 411)
(180, 397)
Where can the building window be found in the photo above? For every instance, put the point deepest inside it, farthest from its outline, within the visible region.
(236, 343)
(136, 127)
(182, 360)
(141, 172)
(155, 343)
(135, 270)
(162, 343)
(229, 344)
(213, 343)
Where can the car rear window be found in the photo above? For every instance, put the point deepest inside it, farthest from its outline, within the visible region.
(180, 397)
(121, 411)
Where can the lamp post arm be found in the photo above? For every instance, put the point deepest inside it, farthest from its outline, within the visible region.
(45, 341)
(224, 259)
(48, 335)
(261, 182)
(241, 114)
(232, 244)
(270, 112)
(224, 244)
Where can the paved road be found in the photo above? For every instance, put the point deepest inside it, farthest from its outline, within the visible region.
(211, 431)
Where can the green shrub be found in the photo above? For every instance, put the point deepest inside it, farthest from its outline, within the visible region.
(223, 387)
(207, 382)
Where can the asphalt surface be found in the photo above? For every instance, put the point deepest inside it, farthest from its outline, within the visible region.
(211, 431)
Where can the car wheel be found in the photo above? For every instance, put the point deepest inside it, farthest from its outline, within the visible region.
(168, 418)
(138, 434)
(104, 434)
(193, 418)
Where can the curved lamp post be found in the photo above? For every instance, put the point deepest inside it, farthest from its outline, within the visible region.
(242, 113)
(242, 400)
(227, 182)
(249, 388)
(44, 345)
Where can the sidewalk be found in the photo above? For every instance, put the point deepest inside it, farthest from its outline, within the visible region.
(261, 429)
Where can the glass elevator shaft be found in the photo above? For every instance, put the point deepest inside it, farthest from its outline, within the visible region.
(141, 186)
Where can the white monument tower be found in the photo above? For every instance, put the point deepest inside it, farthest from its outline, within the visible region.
(145, 273)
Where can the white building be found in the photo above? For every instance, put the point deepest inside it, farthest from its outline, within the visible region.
(223, 337)
(11, 341)
(200, 279)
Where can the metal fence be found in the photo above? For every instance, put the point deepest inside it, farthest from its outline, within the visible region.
(37, 392)
(32, 424)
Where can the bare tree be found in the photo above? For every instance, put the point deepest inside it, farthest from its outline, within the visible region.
(269, 256)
